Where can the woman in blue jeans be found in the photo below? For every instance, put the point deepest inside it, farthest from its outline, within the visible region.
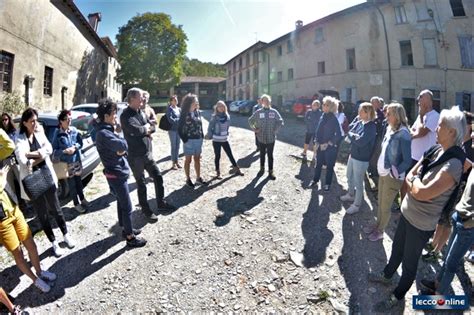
(113, 151)
(326, 138)
(173, 113)
(362, 138)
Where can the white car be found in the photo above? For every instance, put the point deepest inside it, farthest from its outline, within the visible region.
(92, 109)
(234, 106)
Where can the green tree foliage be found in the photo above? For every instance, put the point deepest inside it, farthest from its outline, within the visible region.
(194, 67)
(12, 103)
(151, 50)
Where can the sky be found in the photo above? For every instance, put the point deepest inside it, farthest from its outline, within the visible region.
(217, 30)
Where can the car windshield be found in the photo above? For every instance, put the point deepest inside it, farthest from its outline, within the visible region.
(82, 123)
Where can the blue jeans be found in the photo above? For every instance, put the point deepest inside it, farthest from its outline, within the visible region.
(328, 157)
(174, 140)
(124, 204)
(355, 178)
(459, 243)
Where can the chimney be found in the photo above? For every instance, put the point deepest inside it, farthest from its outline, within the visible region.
(298, 24)
(94, 19)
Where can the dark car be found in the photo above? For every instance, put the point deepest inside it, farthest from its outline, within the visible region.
(287, 107)
(246, 107)
(89, 155)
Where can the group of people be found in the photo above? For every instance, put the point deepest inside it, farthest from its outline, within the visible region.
(427, 163)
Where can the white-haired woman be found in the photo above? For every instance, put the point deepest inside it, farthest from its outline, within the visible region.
(266, 122)
(432, 183)
(218, 131)
(393, 163)
(326, 138)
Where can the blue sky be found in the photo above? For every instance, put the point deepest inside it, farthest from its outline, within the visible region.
(217, 30)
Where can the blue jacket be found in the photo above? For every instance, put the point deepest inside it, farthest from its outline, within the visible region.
(398, 152)
(173, 118)
(362, 140)
(311, 119)
(328, 129)
(63, 140)
(218, 129)
(108, 144)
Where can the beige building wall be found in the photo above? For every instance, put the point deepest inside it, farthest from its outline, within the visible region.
(361, 28)
(43, 36)
(114, 89)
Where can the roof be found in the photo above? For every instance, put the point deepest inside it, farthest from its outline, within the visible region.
(202, 79)
(333, 16)
(71, 6)
(259, 43)
(106, 40)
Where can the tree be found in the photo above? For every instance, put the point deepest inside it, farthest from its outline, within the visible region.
(151, 50)
(194, 67)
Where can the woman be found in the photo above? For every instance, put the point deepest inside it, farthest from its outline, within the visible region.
(8, 126)
(266, 122)
(112, 150)
(32, 152)
(190, 131)
(67, 142)
(311, 119)
(393, 163)
(218, 131)
(362, 138)
(327, 136)
(172, 114)
(431, 184)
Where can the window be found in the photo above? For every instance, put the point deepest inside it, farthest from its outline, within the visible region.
(48, 81)
(422, 11)
(255, 57)
(240, 78)
(235, 65)
(466, 46)
(463, 99)
(436, 100)
(247, 76)
(457, 7)
(321, 67)
(279, 51)
(6, 69)
(429, 46)
(289, 45)
(280, 76)
(400, 15)
(408, 101)
(290, 74)
(255, 74)
(406, 53)
(240, 63)
(351, 59)
(234, 80)
(319, 35)
(247, 60)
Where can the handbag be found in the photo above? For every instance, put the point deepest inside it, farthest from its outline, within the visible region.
(164, 123)
(38, 182)
(61, 169)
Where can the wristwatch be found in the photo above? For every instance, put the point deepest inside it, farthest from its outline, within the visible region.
(411, 180)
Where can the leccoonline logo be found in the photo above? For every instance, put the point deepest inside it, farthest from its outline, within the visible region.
(440, 302)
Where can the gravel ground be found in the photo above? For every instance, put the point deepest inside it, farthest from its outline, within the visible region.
(240, 244)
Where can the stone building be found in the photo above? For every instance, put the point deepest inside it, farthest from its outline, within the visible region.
(51, 54)
(208, 89)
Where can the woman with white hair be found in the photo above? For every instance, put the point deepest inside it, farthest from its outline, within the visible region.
(432, 184)
(326, 138)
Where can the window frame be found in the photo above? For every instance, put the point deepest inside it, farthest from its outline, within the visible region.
(48, 90)
(403, 42)
(348, 56)
(459, 7)
(6, 73)
(292, 77)
(323, 63)
(400, 14)
(435, 52)
(280, 76)
(318, 39)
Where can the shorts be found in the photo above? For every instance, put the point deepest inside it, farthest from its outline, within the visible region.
(193, 147)
(308, 137)
(14, 230)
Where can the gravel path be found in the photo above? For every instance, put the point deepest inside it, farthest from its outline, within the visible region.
(234, 245)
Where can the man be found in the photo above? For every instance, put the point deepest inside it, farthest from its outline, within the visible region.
(377, 105)
(137, 131)
(254, 109)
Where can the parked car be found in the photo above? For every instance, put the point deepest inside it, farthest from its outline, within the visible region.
(91, 108)
(234, 106)
(246, 107)
(89, 155)
(301, 105)
(287, 107)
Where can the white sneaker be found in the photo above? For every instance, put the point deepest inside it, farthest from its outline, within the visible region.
(352, 209)
(43, 286)
(47, 275)
(347, 197)
(69, 241)
(58, 251)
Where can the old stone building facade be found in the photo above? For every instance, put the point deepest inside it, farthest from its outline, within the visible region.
(243, 74)
(52, 55)
(393, 49)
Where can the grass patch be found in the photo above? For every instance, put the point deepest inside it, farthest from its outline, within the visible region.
(323, 295)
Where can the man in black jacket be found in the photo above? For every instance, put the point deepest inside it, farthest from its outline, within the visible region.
(137, 131)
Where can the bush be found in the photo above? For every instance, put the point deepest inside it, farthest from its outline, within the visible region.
(12, 103)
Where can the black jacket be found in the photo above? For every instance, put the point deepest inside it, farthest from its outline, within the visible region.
(134, 130)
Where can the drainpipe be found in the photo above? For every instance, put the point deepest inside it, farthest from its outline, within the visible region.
(388, 53)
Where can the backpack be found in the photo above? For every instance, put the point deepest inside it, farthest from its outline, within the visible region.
(164, 123)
